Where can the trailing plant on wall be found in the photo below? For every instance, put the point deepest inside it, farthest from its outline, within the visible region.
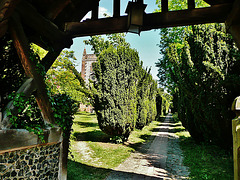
(64, 108)
(28, 115)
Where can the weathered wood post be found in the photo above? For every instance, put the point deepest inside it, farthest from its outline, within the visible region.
(236, 138)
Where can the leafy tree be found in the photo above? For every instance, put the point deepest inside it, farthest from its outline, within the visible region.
(125, 92)
(115, 102)
(201, 71)
(172, 35)
(63, 78)
(198, 67)
(100, 43)
(147, 89)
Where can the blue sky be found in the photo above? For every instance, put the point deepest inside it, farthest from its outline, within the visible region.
(145, 44)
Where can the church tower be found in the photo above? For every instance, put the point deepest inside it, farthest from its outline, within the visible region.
(87, 62)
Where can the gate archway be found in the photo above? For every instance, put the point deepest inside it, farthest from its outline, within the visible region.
(52, 24)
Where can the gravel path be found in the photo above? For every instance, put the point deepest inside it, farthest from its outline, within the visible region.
(162, 160)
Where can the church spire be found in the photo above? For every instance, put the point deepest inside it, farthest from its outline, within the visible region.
(84, 52)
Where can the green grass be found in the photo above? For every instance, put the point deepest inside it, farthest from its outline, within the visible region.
(205, 160)
(103, 154)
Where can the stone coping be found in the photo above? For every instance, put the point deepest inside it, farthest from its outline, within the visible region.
(26, 147)
(17, 138)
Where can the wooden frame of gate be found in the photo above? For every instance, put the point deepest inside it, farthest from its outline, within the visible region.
(52, 24)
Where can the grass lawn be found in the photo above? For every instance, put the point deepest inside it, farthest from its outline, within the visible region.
(94, 154)
(205, 160)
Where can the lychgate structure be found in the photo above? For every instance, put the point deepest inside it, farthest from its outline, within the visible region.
(52, 24)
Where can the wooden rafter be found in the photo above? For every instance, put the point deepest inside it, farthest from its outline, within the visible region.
(215, 2)
(217, 13)
(116, 8)
(164, 5)
(191, 4)
(95, 10)
(33, 19)
(23, 48)
(233, 22)
(55, 8)
(6, 9)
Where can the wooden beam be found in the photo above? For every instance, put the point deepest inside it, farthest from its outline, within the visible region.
(234, 16)
(116, 8)
(44, 27)
(23, 48)
(95, 11)
(3, 27)
(101, 26)
(164, 5)
(233, 22)
(191, 4)
(217, 13)
(6, 9)
(56, 8)
(215, 2)
(213, 14)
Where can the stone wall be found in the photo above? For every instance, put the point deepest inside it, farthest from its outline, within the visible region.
(38, 162)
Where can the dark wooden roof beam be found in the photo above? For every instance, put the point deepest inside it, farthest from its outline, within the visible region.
(215, 2)
(191, 4)
(116, 8)
(233, 22)
(95, 10)
(23, 49)
(41, 25)
(164, 5)
(217, 13)
(6, 9)
(55, 8)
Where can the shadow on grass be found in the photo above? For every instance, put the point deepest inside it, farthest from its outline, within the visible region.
(165, 129)
(206, 160)
(94, 136)
(86, 124)
(77, 171)
(85, 114)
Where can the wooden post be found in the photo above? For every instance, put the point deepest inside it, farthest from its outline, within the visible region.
(95, 11)
(23, 48)
(233, 22)
(0, 111)
(116, 8)
(63, 159)
(191, 4)
(164, 5)
(236, 139)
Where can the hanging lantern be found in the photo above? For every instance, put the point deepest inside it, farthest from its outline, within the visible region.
(135, 11)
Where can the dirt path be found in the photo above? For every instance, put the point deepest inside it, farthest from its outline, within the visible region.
(162, 160)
